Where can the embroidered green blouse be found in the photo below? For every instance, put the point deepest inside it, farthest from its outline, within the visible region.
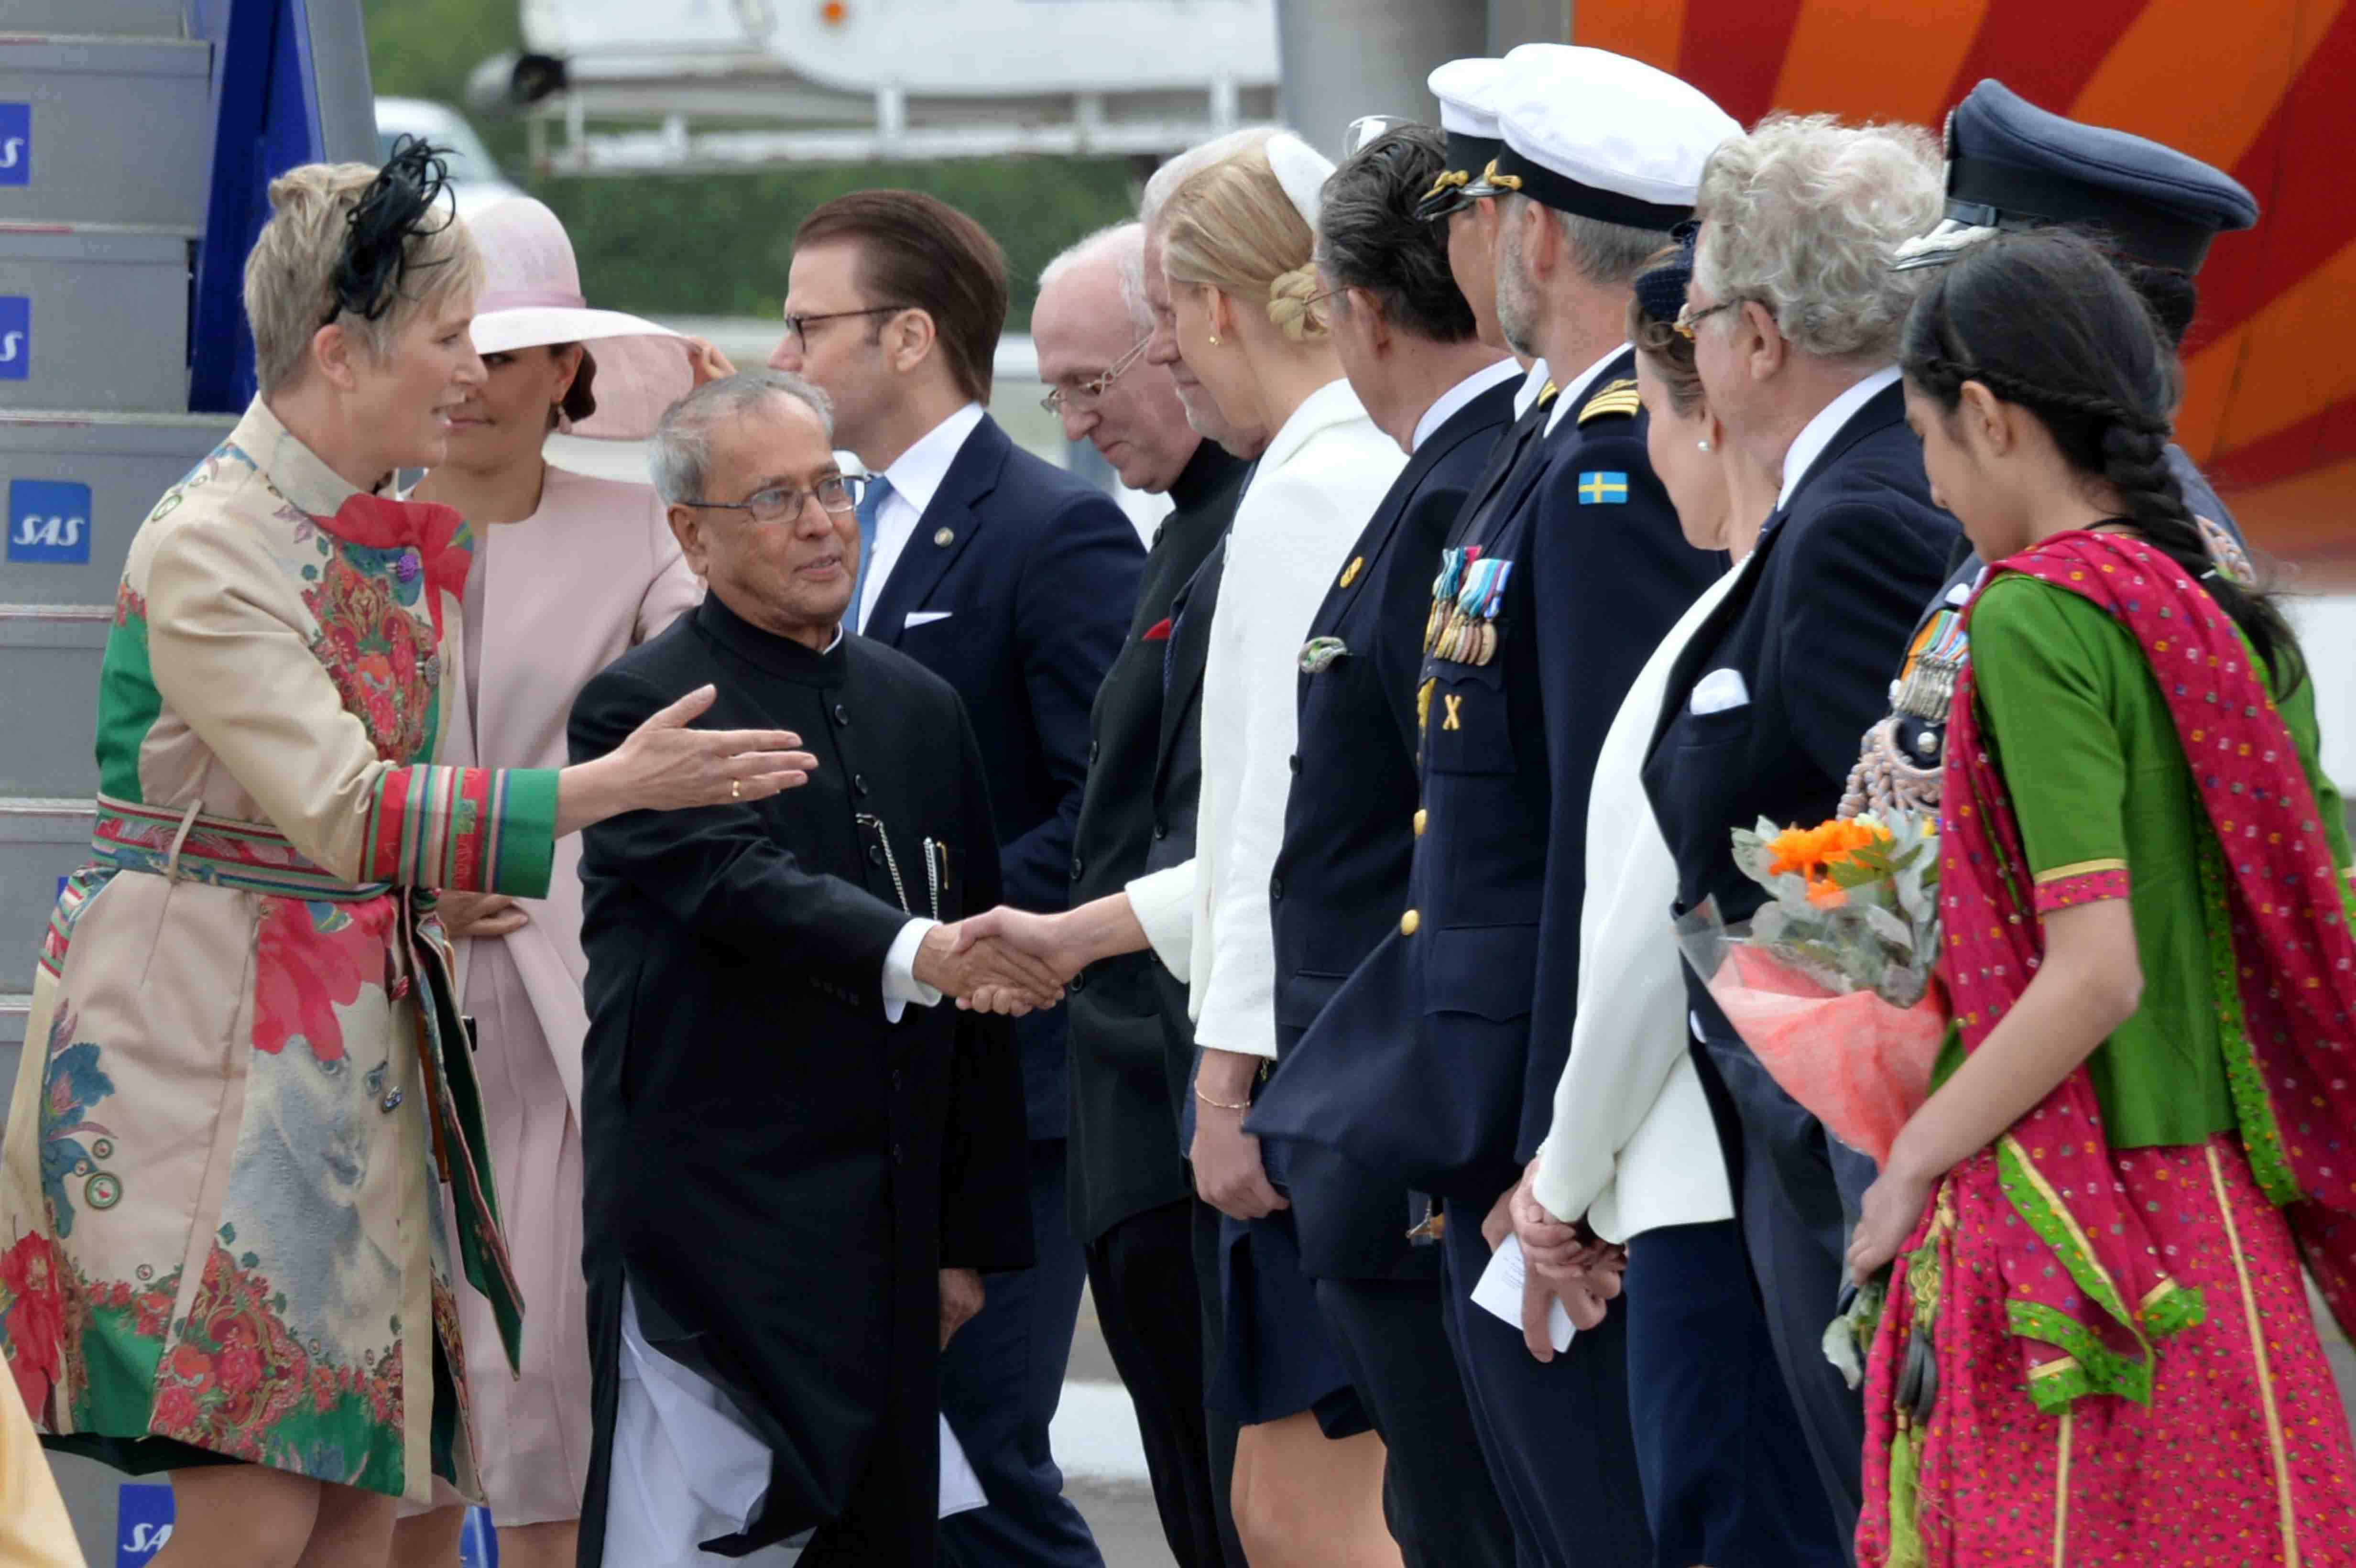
(2106, 805)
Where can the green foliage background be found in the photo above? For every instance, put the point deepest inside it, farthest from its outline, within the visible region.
(718, 244)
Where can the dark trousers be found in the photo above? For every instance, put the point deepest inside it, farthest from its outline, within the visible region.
(1141, 1275)
(1556, 1433)
(1002, 1378)
(1221, 1428)
(1788, 1202)
(1438, 1499)
(1724, 1483)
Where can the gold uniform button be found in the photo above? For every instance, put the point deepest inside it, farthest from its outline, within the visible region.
(1408, 922)
(1422, 817)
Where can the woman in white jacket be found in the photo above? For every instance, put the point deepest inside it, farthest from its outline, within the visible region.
(1250, 323)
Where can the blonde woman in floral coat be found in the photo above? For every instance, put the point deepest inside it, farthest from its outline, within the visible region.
(221, 1247)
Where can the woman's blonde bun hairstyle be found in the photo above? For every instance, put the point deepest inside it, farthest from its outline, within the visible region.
(1231, 227)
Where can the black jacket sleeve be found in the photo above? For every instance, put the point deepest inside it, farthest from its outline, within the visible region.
(1609, 583)
(1072, 612)
(985, 1152)
(716, 871)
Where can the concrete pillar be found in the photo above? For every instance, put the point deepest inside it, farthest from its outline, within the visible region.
(1342, 58)
(1515, 22)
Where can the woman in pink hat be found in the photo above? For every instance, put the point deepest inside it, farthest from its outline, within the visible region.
(569, 573)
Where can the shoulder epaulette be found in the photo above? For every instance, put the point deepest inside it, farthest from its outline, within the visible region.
(1545, 394)
(1618, 397)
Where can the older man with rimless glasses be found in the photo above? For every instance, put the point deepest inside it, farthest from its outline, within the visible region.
(799, 1159)
(1132, 1204)
(1014, 580)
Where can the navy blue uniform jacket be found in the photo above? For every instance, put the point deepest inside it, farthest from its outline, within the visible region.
(1459, 1022)
(1342, 873)
(1037, 570)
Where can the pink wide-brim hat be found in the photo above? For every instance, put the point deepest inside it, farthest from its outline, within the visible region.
(532, 298)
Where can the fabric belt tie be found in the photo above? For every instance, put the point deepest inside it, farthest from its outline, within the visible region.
(221, 851)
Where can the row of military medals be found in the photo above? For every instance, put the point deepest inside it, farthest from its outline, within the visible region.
(1463, 626)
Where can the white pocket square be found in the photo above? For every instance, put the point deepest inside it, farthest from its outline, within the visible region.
(926, 617)
(1719, 690)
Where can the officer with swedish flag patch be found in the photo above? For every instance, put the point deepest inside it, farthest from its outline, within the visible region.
(1554, 588)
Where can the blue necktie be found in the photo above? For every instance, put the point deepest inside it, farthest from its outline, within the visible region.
(871, 504)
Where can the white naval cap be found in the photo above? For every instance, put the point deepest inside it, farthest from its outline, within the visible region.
(1466, 90)
(1599, 134)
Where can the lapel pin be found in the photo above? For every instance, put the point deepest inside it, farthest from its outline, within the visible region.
(944, 536)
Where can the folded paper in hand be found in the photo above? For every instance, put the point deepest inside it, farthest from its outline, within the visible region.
(1499, 1293)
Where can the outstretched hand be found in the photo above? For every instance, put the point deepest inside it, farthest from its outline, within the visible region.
(980, 966)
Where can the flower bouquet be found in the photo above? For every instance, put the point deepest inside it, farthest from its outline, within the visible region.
(1831, 983)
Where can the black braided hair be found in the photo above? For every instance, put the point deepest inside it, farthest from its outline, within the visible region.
(391, 210)
(2043, 320)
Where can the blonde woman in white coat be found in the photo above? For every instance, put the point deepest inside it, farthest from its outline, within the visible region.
(1251, 327)
(569, 573)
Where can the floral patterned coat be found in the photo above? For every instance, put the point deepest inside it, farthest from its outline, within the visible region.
(219, 1220)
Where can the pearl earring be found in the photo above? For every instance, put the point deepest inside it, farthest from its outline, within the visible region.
(1703, 444)
(1215, 340)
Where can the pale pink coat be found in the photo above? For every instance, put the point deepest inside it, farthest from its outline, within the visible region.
(564, 593)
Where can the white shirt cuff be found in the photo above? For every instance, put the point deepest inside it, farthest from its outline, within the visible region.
(901, 985)
(1163, 902)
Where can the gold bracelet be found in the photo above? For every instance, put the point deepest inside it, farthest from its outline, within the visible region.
(1223, 1104)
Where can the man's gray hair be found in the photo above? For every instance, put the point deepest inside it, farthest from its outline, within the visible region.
(1803, 217)
(1125, 243)
(1607, 255)
(1165, 181)
(679, 455)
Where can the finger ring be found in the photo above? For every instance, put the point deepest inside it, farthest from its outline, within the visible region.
(735, 789)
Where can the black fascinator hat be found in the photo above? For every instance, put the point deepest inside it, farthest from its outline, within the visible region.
(398, 205)
(1661, 287)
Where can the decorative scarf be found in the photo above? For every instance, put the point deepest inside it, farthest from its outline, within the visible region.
(423, 536)
(2284, 984)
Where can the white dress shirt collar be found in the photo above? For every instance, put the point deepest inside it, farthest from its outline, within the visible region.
(1532, 385)
(917, 472)
(1574, 390)
(1818, 432)
(1457, 395)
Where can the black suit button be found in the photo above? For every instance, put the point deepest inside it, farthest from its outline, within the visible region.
(841, 714)
(899, 1154)
(1092, 751)
(875, 854)
(1078, 983)
(1161, 830)
(859, 783)
(1079, 866)
(1294, 760)
(899, 1079)
(1276, 887)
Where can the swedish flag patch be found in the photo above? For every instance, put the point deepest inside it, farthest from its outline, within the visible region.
(1601, 489)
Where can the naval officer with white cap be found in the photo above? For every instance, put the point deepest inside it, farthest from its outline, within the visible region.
(1552, 593)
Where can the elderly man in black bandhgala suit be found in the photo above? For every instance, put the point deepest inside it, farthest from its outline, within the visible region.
(797, 1158)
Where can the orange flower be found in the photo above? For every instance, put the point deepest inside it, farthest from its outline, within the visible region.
(1808, 850)
(1827, 895)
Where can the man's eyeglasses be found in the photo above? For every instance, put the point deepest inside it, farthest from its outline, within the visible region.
(1082, 398)
(1688, 318)
(837, 493)
(798, 326)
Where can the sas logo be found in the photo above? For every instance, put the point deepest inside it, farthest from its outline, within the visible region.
(16, 143)
(16, 338)
(142, 1522)
(48, 521)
